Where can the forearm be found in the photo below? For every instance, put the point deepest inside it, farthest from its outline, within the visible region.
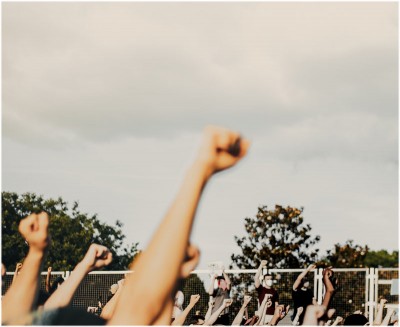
(20, 297)
(379, 315)
(109, 307)
(389, 314)
(211, 287)
(239, 316)
(227, 280)
(298, 279)
(65, 292)
(48, 282)
(213, 318)
(182, 317)
(165, 316)
(257, 277)
(208, 313)
(150, 263)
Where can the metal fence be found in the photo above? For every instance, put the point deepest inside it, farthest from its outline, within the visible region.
(359, 289)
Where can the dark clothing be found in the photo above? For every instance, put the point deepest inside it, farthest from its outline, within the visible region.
(66, 316)
(301, 298)
(219, 296)
(272, 295)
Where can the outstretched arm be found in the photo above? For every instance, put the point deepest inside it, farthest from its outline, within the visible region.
(389, 314)
(17, 270)
(239, 317)
(297, 317)
(21, 296)
(109, 307)
(379, 315)
(182, 317)
(226, 277)
(210, 307)
(211, 287)
(48, 279)
(136, 306)
(259, 270)
(216, 314)
(302, 275)
(96, 257)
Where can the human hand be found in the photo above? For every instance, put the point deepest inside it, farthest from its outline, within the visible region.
(263, 263)
(311, 267)
(49, 269)
(18, 266)
(221, 149)
(338, 320)
(96, 257)
(211, 303)
(227, 302)
(194, 299)
(34, 229)
(247, 299)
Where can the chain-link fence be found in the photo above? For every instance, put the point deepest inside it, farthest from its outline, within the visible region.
(358, 289)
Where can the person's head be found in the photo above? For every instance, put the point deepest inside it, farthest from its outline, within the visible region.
(267, 281)
(179, 298)
(304, 284)
(222, 283)
(355, 320)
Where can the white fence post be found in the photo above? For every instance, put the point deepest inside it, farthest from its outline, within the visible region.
(320, 286)
(371, 296)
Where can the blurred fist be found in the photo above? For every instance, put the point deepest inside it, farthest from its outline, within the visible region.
(263, 263)
(299, 311)
(221, 148)
(191, 260)
(34, 229)
(98, 256)
(49, 269)
(311, 267)
(18, 266)
(227, 302)
(194, 299)
(247, 299)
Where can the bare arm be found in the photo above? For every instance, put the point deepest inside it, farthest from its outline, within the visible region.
(136, 306)
(109, 307)
(259, 270)
(261, 311)
(379, 314)
(48, 279)
(215, 315)
(210, 307)
(17, 270)
(389, 314)
(302, 275)
(279, 313)
(96, 257)
(239, 316)
(297, 317)
(182, 317)
(337, 321)
(211, 287)
(21, 296)
(227, 280)
(329, 289)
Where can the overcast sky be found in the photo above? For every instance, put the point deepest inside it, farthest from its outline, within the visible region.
(104, 104)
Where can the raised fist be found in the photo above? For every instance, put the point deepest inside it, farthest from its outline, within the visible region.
(18, 266)
(34, 229)
(98, 256)
(263, 263)
(221, 148)
(227, 302)
(247, 299)
(194, 299)
(49, 269)
(311, 267)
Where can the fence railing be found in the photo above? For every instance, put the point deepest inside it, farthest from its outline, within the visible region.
(359, 289)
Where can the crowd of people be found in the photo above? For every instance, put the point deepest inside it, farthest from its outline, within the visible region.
(143, 298)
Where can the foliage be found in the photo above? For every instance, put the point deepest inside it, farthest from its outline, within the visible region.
(348, 255)
(71, 231)
(279, 236)
(382, 258)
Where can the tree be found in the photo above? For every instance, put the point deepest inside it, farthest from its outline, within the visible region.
(72, 232)
(282, 238)
(348, 255)
(382, 258)
(279, 236)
